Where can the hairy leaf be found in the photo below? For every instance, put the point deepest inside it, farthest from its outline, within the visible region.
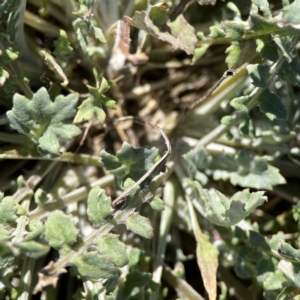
(157, 204)
(233, 30)
(134, 282)
(111, 247)
(93, 105)
(129, 162)
(99, 206)
(43, 120)
(33, 249)
(291, 13)
(270, 104)
(139, 225)
(179, 33)
(60, 230)
(243, 169)
(259, 74)
(94, 266)
(6, 254)
(8, 210)
(287, 251)
(234, 52)
(219, 209)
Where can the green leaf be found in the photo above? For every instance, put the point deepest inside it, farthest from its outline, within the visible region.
(94, 266)
(199, 52)
(129, 161)
(264, 7)
(40, 197)
(291, 71)
(8, 210)
(244, 269)
(243, 169)
(259, 74)
(291, 13)
(60, 230)
(275, 281)
(233, 30)
(99, 206)
(97, 32)
(115, 250)
(264, 268)
(220, 210)
(157, 204)
(234, 52)
(139, 225)
(134, 282)
(288, 252)
(179, 34)
(4, 234)
(216, 32)
(43, 120)
(93, 105)
(262, 25)
(246, 127)
(134, 256)
(33, 249)
(240, 103)
(287, 293)
(8, 55)
(159, 14)
(81, 34)
(6, 254)
(62, 46)
(267, 48)
(271, 105)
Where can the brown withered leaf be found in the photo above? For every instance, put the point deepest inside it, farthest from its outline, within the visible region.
(120, 49)
(178, 33)
(47, 276)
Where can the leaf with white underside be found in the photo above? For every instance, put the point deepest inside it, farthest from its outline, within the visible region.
(223, 211)
(139, 225)
(242, 169)
(180, 35)
(44, 121)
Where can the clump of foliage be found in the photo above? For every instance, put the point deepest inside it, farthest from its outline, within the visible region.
(129, 171)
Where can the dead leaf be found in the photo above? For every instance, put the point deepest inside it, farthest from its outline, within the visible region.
(120, 50)
(178, 33)
(207, 258)
(47, 276)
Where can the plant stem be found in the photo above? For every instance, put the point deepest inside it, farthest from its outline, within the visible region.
(169, 196)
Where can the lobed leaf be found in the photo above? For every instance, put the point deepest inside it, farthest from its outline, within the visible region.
(271, 105)
(98, 206)
(93, 105)
(134, 282)
(33, 249)
(8, 210)
(129, 162)
(43, 120)
(139, 225)
(115, 250)
(180, 35)
(60, 230)
(94, 266)
(243, 169)
(220, 210)
(234, 52)
(259, 74)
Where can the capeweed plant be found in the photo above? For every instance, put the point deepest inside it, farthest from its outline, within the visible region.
(69, 90)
